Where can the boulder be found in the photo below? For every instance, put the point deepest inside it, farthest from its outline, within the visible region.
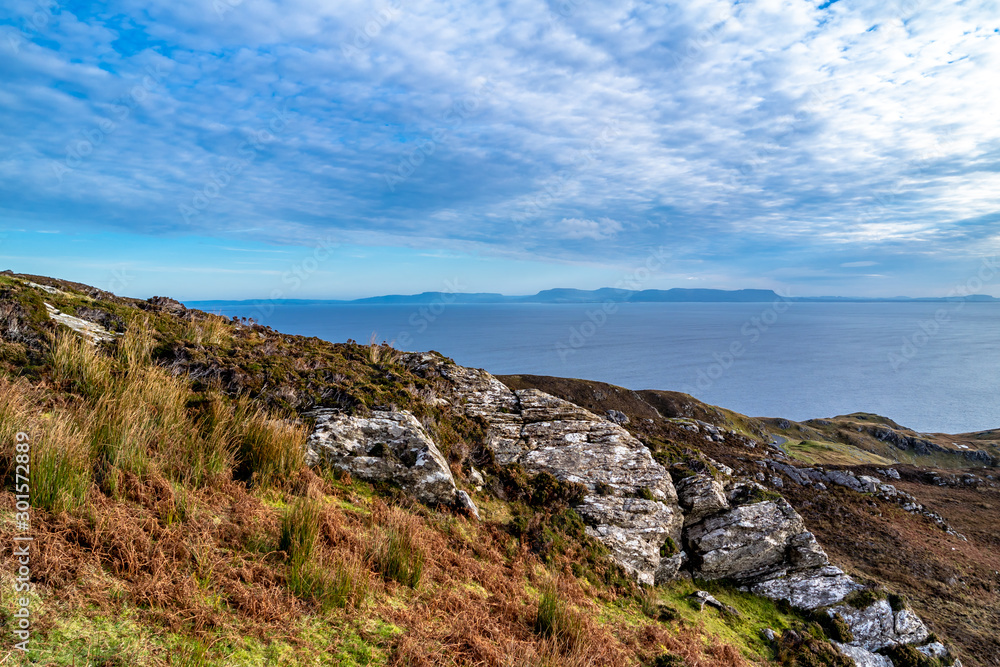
(699, 496)
(809, 589)
(385, 446)
(706, 598)
(669, 568)
(617, 417)
(863, 658)
(632, 505)
(934, 650)
(877, 626)
(634, 530)
(752, 542)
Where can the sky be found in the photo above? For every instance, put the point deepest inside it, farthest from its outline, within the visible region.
(212, 149)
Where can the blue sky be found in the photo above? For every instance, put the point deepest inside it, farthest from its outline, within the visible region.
(239, 148)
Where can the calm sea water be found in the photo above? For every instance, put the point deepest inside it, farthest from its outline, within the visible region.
(934, 367)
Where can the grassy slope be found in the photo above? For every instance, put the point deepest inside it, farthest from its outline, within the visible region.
(175, 523)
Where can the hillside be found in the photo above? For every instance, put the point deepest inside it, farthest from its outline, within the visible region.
(213, 492)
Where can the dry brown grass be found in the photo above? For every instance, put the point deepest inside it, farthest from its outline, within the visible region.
(951, 583)
(210, 331)
(172, 523)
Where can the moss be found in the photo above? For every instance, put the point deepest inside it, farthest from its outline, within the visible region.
(542, 490)
(835, 627)
(645, 494)
(897, 602)
(865, 598)
(669, 548)
(798, 649)
(905, 655)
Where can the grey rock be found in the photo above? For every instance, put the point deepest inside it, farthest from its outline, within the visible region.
(768, 634)
(870, 484)
(797, 475)
(617, 417)
(845, 479)
(751, 542)
(724, 469)
(634, 529)
(387, 446)
(934, 650)
(699, 496)
(669, 568)
(910, 629)
(91, 332)
(809, 589)
(464, 503)
(543, 433)
(877, 626)
(705, 598)
(863, 658)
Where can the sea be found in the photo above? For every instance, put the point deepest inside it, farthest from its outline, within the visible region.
(930, 366)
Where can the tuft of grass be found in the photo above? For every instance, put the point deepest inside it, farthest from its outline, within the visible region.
(77, 364)
(211, 331)
(61, 466)
(299, 530)
(134, 349)
(338, 585)
(267, 449)
(396, 553)
(380, 354)
(554, 619)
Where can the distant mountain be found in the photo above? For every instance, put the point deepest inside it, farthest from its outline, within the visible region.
(605, 294)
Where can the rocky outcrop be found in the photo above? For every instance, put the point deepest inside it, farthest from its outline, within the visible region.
(91, 332)
(873, 485)
(753, 542)
(631, 506)
(386, 446)
(863, 658)
(635, 530)
(700, 495)
(878, 626)
(924, 447)
(808, 589)
(728, 528)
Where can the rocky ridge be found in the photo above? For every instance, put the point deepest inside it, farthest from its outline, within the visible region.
(705, 525)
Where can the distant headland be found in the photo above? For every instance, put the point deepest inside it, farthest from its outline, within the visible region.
(605, 294)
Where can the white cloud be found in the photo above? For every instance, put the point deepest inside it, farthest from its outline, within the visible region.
(759, 123)
(578, 228)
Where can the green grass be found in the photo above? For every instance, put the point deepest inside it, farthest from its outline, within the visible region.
(832, 453)
(397, 556)
(60, 479)
(555, 619)
(743, 631)
(329, 586)
(300, 529)
(124, 640)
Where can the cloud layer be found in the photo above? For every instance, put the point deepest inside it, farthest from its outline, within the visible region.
(775, 140)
